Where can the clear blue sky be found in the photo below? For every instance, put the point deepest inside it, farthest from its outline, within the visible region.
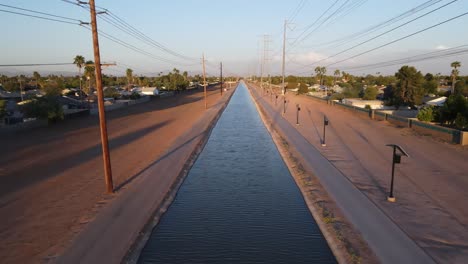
(231, 31)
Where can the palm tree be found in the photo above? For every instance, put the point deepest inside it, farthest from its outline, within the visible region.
(79, 61)
(320, 71)
(337, 74)
(129, 73)
(89, 72)
(455, 65)
(36, 76)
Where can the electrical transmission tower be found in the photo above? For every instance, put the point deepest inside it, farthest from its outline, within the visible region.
(265, 64)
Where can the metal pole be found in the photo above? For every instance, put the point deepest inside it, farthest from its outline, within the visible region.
(390, 197)
(284, 54)
(284, 106)
(324, 131)
(100, 94)
(221, 78)
(297, 114)
(204, 81)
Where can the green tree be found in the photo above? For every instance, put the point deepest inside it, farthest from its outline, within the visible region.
(129, 74)
(2, 108)
(336, 74)
(320, 72)
(370, 93)
(303, 88)
(455, 65)
(111, 92)
(409, 86)
(426, 114)
(37, 77)
(89, 72)
(79, 61)
(454, 105)
(291, 79)
(46, 107)
(461, 87)
(430, 84)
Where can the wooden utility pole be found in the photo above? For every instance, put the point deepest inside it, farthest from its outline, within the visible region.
(221, 77)
(204, 80)
(100, 95)
(284, 54)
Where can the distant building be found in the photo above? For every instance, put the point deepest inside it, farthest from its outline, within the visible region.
(374, 104)
(150, 91)
(436, 101)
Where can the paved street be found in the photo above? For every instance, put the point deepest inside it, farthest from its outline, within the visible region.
(429, 186)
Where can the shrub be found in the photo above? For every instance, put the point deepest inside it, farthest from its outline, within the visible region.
(461, 122)
(426, 114)
(45, 108)
(135, 96)
(368, 107)
(111, 93)
(2, 108)
(337, 96)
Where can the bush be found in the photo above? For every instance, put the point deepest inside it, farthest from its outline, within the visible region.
(426, 114)
(368, 107)
(111, 93)
(44, 108)
(461, 122)
(337, 96)
(303, 88)
(2, 108)
(135, 96)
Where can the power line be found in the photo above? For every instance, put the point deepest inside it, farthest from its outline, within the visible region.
(298, 9)
(37, 12)
(421, 57)
(134, 48)
(122, 25)
(322, 22)
(402, 38)
(34, 64)
(384, 33)
(155, 43)
(40, 17)
(376, 27)
(311, 25)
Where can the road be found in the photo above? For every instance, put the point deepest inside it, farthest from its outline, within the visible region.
(430, 186)
(51, 179)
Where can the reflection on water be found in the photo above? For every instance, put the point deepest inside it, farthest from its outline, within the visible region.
(238, 204)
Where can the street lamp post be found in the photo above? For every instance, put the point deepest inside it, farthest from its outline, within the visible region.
(325, 124)
(284, 106)
(298, 107)
(396, 159)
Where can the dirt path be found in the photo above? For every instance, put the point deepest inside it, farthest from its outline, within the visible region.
(52, 178)
(430, 186)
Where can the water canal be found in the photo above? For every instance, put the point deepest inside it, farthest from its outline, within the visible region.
(239, 203)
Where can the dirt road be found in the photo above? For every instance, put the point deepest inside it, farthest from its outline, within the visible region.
(51, 179)
(430, 186)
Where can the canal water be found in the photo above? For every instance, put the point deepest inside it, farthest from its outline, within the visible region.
(239, 203)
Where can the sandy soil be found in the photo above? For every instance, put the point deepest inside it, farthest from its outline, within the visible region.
(52, 178)
(430, 186)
